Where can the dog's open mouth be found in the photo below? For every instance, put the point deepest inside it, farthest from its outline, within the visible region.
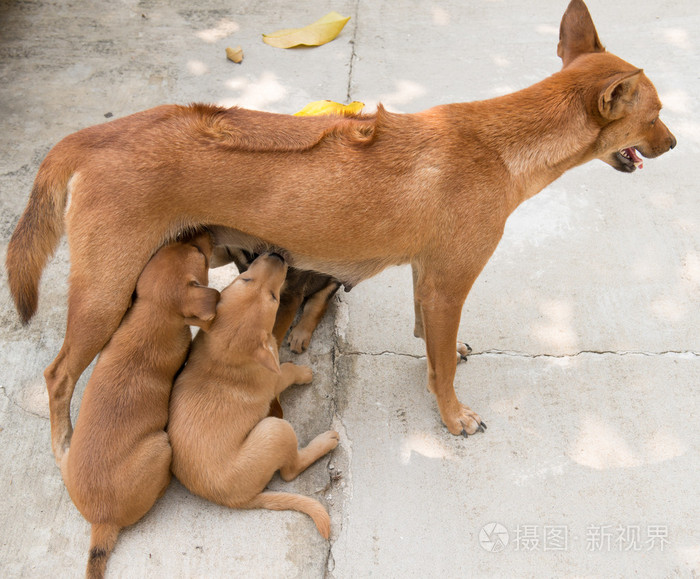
(629, 160)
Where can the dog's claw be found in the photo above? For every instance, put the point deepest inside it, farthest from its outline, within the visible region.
(481, 428)
(464, 434)
(463, 351)
(483, 424)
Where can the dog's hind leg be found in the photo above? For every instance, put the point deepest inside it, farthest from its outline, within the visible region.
(271, 446)
(441, 298)
(463, 349)
(101, 287)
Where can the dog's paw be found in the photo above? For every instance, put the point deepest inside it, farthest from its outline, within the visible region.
(464, 422)
(463, 351)
(299, 340)
(304, 375)
(330, 439)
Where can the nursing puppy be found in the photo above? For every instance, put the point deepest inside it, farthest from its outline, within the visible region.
(225, 446)
(118, 463)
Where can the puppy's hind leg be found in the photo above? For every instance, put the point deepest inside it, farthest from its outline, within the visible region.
(272, 446)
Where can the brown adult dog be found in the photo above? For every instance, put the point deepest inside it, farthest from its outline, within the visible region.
(225, 448)
(345, 197)
(118, 464)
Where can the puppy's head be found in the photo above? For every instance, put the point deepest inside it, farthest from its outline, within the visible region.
(621, 98)
(176, 278)
(248, 309)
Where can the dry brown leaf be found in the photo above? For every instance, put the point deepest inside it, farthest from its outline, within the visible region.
(323, 30)
(234, 54)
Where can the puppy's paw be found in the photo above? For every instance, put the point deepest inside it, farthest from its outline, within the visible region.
(329, 439)
(304, 375)
(299, 340)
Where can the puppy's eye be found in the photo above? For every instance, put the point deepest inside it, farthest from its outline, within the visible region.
(246, 279)
(653, 122)
(274, 297)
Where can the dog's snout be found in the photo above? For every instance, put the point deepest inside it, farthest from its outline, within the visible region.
(673, 142)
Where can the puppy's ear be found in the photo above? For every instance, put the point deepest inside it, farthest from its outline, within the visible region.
(203, 243)
(200, 306)
(617, 98)
(266, 354)
(577, 33)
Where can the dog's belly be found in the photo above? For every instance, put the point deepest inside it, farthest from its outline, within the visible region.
(350, 273)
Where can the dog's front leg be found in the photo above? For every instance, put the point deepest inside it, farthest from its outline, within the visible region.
(290, 302)
(292, 374)
(440, 307)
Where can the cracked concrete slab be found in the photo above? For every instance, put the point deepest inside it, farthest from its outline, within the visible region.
(585, 446)
(584, 324)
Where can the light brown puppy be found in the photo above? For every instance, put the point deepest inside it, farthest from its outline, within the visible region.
(225, 447)
(118, 464)
(346, 197)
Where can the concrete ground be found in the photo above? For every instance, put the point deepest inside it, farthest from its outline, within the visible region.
(585, 323)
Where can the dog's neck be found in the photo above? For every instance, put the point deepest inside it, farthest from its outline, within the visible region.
(539, 132)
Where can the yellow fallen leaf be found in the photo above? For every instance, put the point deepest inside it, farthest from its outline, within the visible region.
(330, 108)
(322, 31)
(234, 54)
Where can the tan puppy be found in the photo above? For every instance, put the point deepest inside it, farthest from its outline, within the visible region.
(119, 459)
(225, 448)
(346, 197)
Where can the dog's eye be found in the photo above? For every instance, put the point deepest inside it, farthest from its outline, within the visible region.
(274, 297)
(653, 122)
(246, 279)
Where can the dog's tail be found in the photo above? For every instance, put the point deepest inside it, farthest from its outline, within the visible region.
(39, 229)
(102, 540)
(292, 502)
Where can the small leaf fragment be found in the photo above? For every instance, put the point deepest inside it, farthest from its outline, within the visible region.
(330, 108)
(323, 30)
(234, 54)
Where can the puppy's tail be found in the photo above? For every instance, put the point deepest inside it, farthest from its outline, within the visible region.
(39, 229)
(102, 540)
(292, 502)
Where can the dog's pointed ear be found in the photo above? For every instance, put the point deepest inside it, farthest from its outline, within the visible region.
(266, 354)
(200, 306)
(577, 33)
(618, 97)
